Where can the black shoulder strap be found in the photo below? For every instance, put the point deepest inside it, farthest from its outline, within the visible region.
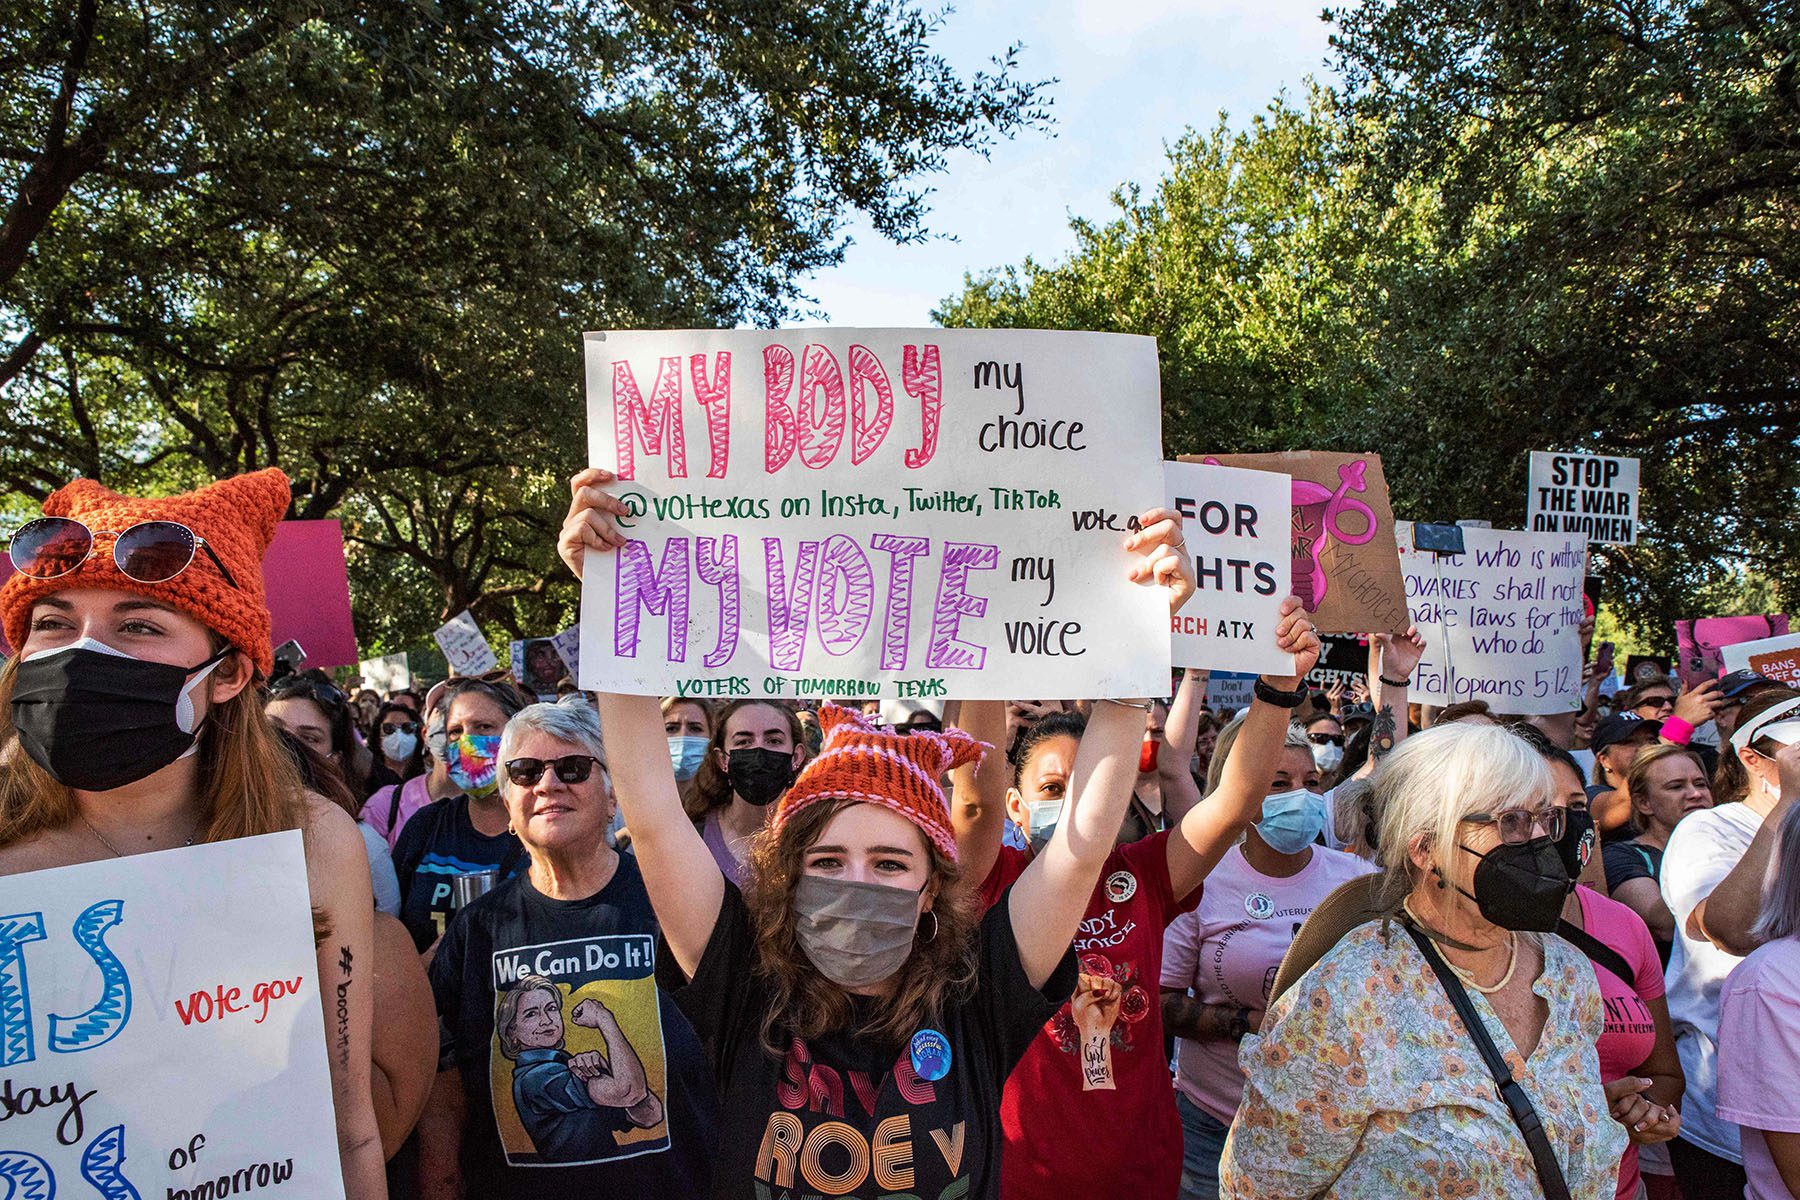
(1549, 1173)
(1596, 950)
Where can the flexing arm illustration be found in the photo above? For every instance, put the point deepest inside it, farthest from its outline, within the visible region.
(616, 1080)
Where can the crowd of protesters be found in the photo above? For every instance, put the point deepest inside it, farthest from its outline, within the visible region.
(1335, 944)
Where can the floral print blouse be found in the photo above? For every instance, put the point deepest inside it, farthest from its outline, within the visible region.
(1365, 1083)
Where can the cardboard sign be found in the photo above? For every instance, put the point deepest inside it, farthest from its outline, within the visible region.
(1699, 641)
(1776, 658)
(161, 1025)
(465, 646)
(1343, 658)
(390, 673)
(307, 588)
(537, 666)
(1501, 621)
(1235, 523)
(1593, 495)
(1230, 689)
(875, 512)
(1345, 566)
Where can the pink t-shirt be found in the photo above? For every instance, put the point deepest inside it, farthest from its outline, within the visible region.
(1759, 1057)
(1228, 949)
(1630, 1032)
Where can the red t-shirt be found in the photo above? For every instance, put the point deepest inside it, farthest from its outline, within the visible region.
(1090, 1109)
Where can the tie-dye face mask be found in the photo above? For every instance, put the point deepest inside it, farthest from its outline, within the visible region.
(470, 760)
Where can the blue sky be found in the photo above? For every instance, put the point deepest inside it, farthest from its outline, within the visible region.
(1133, 75)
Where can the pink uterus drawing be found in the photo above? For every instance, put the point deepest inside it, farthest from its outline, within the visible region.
(1318, 517)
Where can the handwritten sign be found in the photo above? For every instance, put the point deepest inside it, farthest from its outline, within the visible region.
(390, 673)
(1776, 658)
(161, 1027)
(1235, 523)
(465, 646)
(1593, 495)
(1342, 554)
(875, 512)
(1501, 621)
(1232, 690)
(1699, 641)
(537, 666)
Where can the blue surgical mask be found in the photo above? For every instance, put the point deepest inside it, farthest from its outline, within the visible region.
(1291, 820)
(687, 752)
(1040, 821)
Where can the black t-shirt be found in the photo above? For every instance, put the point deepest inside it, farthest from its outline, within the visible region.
(845, 1116)
(536, 995)
(1626, 861)
(440, 842)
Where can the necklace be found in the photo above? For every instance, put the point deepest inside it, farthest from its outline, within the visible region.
(116, 852)
(1468, 977)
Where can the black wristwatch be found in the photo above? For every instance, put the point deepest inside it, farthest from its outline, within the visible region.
(1280, 699)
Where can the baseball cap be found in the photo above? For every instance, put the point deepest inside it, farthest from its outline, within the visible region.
(1620, 727)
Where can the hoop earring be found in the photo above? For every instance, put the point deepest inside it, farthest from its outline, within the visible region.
(932, 913)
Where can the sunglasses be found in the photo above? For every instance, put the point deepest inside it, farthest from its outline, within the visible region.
(148, 552)
(1655, 702)
(324, 695)
(1320, 739)
(1516, 824)
(388, 727)
(570, 768)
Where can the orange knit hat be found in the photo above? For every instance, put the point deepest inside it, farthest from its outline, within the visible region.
(237, 519)
(862, 762)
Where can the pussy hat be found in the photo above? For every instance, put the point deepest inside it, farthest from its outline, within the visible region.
(862, 762)
(236, 518)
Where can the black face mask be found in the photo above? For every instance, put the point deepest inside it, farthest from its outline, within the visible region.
(759, 776)
(97, 720)
(1521, 887)
(1576, 846)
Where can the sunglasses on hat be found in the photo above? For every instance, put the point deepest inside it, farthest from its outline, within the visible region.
(570, 768)
(148, 552)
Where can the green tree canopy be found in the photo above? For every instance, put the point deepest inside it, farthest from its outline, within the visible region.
(359, 241)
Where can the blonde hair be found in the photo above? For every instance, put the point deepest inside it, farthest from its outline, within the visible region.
(1436, 778)
(1295, 739)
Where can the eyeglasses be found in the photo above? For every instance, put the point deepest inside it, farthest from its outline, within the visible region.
(1321, 739)
(148, 552)
(570, 768)
(388, 727)
(1516, 824)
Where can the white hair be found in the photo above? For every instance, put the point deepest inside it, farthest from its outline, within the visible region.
(1436, 778)
(577, 724)
(1780, 916)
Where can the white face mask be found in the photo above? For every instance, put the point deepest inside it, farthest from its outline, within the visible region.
(1040, 819)
(1327, 756)
(399, 744)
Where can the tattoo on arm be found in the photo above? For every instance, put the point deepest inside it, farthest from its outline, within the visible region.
(343, 1008)
(1381, 736)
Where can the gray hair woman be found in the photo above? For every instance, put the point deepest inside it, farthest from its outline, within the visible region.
(1759, 1030)
(559, 1048)
(1364, 1080)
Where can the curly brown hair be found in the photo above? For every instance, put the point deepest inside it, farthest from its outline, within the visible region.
(802, 1002)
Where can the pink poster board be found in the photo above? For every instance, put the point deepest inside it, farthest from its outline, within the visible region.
(1699, 641)
(308, 590)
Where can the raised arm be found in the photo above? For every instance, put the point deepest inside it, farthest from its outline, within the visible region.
(1390, 658)
(1180, 730)
(978, 793)
(1048, 901)
(1726, 915)
(1212, 826)
(685, 885)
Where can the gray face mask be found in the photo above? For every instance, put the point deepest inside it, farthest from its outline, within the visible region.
(856, 934)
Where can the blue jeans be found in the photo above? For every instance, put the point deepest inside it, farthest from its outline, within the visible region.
(1202, 1142)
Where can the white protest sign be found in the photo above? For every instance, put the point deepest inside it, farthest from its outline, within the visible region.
(1501, 621)
(1593, 495)
(1776, 658)
(161, 1027)
(465, 646)
(1236, 524)
(1230, 689)
(389, 673)
(863, 512)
